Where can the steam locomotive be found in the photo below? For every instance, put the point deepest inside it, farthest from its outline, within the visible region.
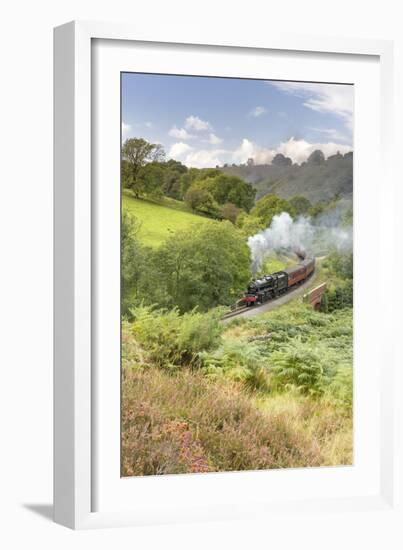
(271, 286)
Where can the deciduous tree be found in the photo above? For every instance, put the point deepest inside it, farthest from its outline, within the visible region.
(137, 152)
(133, 256)
(230, 212)
(204, 267)
(300, 204)
(269, 206)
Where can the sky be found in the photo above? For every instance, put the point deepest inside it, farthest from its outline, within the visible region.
(205, 121)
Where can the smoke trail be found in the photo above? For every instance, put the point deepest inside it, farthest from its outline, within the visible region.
(285, 234)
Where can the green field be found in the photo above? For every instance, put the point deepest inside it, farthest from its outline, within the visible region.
(162, 219)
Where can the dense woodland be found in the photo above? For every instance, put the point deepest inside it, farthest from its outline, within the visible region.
(199, 395)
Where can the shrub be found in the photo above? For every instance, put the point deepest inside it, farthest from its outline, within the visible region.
(256, 378)
(134, 261)
(338, 297)
(171, 340)
(340, 264)
(201, 200)
(240, 362)
(230, 212)
(340, 390)
(304, 365)
(288, 322)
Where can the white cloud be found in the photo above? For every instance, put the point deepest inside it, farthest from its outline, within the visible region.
(337, 99)
(214, 140)
(180, 133)
(204, 158)
(258, 111)
(178, 150)
(248, 149)
(125, 129)
(149, 124)
(196, 123)
(297, 149)
(197, 158)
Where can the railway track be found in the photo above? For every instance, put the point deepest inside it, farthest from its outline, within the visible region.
(235, 312)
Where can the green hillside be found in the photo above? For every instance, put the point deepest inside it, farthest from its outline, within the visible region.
(160, 219)
(317, 181)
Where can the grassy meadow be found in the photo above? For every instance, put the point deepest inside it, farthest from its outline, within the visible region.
(160, 219)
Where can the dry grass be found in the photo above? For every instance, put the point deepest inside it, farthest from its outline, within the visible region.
(239, 331)
(186, 423)
(320, 420)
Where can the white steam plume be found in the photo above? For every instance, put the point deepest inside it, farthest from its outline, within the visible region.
(286, 234)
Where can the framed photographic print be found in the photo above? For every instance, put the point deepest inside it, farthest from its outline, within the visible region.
(218, 217)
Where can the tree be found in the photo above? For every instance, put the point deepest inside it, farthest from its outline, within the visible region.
(225, 188)
(281, 160)
(269, 206)
(347, 218)
(201, 200)
(151, 179)
(133, 261)
(317, 209)
(173, 171)
(137, 152)
(230, 212)
(300, 204)
(249, 225)
(204, 267)
(338, 297)
(125, 173)
(188, 179)
(341, 263)
(208, 173)
(316, 158)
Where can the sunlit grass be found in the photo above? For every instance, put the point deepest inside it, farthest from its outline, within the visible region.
(321, 421)
(160, 219)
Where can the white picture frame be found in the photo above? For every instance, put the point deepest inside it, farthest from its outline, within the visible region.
(81, 432)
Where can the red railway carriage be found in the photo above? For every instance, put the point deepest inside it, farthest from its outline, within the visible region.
(295, 274)
(300, 272)
(310, 266)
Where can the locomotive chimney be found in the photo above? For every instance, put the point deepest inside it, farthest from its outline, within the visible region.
(300, 253)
